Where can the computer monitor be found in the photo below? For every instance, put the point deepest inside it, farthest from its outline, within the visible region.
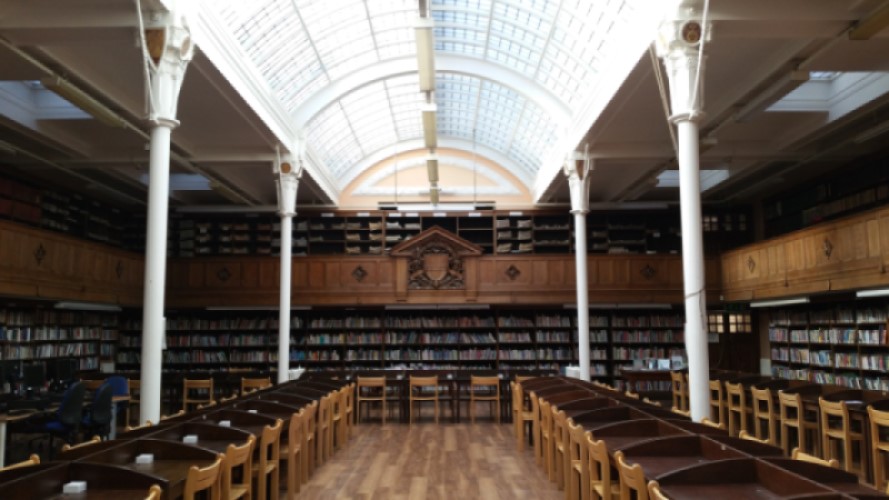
(34, 375)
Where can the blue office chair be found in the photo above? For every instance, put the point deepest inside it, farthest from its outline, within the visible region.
(66, 420)
(97, 418)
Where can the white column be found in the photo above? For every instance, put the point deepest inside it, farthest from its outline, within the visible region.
(165, 70)
(155, 271)
(680, 50)
(288, 182)
(579, 186)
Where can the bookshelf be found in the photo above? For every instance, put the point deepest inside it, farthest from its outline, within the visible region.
(639, 335)
(843, 345)
(221, 341)
(41, 334)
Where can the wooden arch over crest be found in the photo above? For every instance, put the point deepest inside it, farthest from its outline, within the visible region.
(436, 262)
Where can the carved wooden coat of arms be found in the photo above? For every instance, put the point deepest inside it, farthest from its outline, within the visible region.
(435, 260)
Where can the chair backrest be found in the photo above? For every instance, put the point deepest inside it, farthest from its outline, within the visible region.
(835, 409)
(764, 410)
(324, 411)
(237, 456)
(32, 460)
(654, 491)
(203, 479)
(717, 401)
(91, 441)
(736, 398)
(189, 385)
(796, 454)
(484, 381)
(100, 411)
(120, 385)
(635, 395)
(790, 408)
(707, 421)
(631, 479)
(135, 389)
(295, 432)
(371, 382)
(254, 384)
(431, 381)
(577, 444)
(599, 466)
(309, 420)
(270, 445)
(70, 411)
(678, 390)
(173, 415)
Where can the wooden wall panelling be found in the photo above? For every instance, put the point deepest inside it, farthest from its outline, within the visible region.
(843, 255)
(37, 263)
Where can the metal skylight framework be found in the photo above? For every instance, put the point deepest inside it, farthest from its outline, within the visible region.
(501, 64)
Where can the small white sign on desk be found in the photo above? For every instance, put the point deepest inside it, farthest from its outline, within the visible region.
(572, 371)
(295, 373)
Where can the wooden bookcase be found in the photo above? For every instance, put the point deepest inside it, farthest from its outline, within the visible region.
(844, 345)
(33, 334)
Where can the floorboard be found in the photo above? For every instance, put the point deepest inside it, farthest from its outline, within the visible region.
(431, 462)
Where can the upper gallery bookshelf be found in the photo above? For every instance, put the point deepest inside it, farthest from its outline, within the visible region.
(496, 232)
(844, 345)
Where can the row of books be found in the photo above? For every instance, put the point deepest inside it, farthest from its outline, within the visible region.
(50, 333)
(830, 316)
(836, 336)
(53, 317)
(49, 350)
(647, 336)
(645, 321)
(240, 323)
(348, 322)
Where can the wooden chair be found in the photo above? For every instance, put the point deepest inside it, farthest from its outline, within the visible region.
(224, 399)
(836, 427)
(294, 452)
(238, 456)
(211, 404)
(368, 390)
(349, 405)
(265, 470)
(338, 418)
(34, 459)
(254, 384)
(546, 437)
(791, 415)
(154, 493)
(717, 403)
(653, 403)
(635, 395)
(749, 437)
(765, 419)
(879, 424)
(309, 439)
(654, 491)
(93, 440)
(418, 389)
(600, 484)
(536, 429)
(322, 434)
(196, 392)
(736, 408)
(559, 470)
(631, 479)
(483, 389)
(520, 416)
(796, 454)
(679, 389)
(578, 469)
(206, 479)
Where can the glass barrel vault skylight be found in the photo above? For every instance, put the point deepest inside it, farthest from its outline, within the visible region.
(511, 74)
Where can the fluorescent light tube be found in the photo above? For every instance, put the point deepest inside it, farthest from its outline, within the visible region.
(87, 306)
(864, 294)
(425, 53)
(432, 168)
(779, 302)
(83, 101)
(429, 128)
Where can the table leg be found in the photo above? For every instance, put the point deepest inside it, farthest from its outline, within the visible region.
(112, 434)
(2, 443)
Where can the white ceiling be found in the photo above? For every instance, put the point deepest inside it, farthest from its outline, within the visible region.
(233, 111)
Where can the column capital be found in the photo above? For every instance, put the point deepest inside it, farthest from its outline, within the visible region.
(167, 48)
(679, 45)
(288, 170)
(578, 180)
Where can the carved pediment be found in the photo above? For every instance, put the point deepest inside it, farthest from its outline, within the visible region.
(435, 259)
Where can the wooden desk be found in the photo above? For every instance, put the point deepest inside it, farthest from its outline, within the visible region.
(663, 455)
(7, 418)
(174, 471)
(103, 481)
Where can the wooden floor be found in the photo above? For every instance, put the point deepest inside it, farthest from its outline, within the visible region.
(431, 462)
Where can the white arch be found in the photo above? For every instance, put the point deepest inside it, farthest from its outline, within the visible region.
(503, 185)
(497, 157)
